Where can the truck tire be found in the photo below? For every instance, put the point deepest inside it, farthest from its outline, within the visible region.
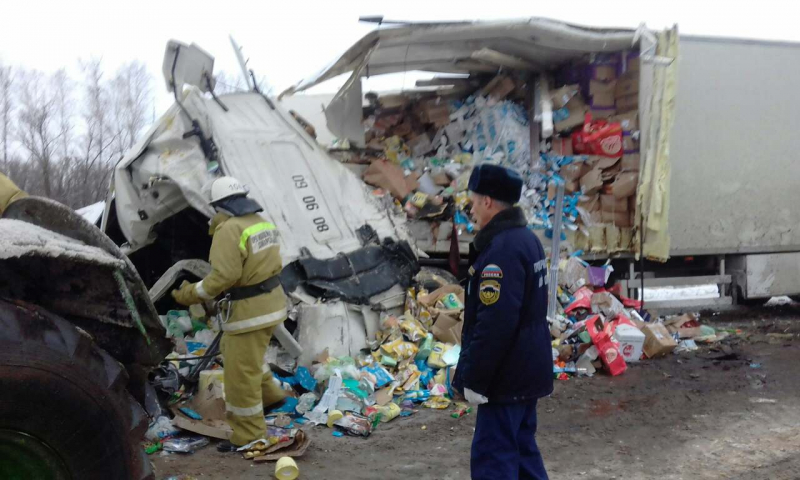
(64, 409)
(432, 278)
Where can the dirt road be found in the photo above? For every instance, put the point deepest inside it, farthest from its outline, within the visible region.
(687, 416)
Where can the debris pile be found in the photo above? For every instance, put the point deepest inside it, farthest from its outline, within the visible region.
(598, 327)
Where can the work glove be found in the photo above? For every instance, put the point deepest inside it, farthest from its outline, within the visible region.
(474, 398)
(186, 294)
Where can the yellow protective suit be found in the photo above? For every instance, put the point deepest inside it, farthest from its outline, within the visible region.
(244, 251)
(9, 192)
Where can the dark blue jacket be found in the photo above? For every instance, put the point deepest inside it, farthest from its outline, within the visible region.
(505, 343)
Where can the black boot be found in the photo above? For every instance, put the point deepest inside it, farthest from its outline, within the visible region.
(226, 447)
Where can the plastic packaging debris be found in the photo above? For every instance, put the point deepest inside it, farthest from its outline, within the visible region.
(190, 413)
(289, 406)
(333, 417)
(328, 402)
(306, 402)
(438, 403)
(450, 357)
(185, 444)
(461, 410)
(688, 345)
(385, 413)
(355, 424)
(425, 348)
(435, 359)
(160, 429)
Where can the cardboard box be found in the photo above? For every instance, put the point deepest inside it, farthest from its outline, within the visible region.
(657, 340)
(686, 326)
(630, 162)
(632, 63)
(503, 87)
(390, 177)
(629, 144)
(577, 114)
(430, 299)
(603, 162)
(606, 112)
(574, 171)
(603, 100)
(625, 184)
(609, 203)
(604, 72)
(628, 120)
(597, 238)
(447, 329)
(572, 187)
(611, 172)
(561, 96)
(592, 181)
(628, 103)
(628, 84)
(598, 87)
(562, 146)
(619, 219)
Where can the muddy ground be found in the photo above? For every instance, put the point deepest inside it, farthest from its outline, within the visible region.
(687, 416)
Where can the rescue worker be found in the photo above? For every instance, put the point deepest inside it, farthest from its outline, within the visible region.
(9, 192)
(506, 363)
(245, 261)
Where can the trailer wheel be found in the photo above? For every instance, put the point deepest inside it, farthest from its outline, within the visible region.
(432, 278)
(64, 409)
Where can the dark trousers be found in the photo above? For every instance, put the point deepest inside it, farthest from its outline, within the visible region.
(504, 445)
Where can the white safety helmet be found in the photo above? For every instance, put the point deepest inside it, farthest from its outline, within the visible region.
(225, 187)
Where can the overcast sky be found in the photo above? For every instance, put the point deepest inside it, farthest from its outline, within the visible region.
(287, 41)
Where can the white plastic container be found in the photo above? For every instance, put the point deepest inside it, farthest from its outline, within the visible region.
(631, 342)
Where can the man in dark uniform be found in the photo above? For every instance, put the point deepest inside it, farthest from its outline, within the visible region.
(506, 363)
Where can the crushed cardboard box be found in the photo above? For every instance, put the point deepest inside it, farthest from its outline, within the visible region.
(657, 340)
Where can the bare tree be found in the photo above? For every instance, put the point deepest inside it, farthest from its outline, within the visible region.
(132, 98)
(94, 162)
(36, 130)
(6, 108)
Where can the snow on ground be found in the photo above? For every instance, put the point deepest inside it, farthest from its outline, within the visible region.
(681, 293)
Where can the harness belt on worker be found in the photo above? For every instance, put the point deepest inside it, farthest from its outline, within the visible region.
(250, 291)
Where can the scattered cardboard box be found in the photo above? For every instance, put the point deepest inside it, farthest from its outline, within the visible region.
(592, 181)
(686, 326)
(430, 299)
(628, 103)
(391, 177)
(658, 341)
(209, 403)
(625, 184)
(577, 114)
(447, 329)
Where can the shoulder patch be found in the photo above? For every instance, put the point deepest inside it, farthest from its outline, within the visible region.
(489, 292)
(492, 271)
(471, 271)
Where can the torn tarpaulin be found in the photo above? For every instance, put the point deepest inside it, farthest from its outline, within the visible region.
(356, 276)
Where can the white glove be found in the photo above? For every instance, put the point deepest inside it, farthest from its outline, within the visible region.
(474, 398)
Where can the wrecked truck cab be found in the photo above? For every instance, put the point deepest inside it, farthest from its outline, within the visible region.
(338, 242)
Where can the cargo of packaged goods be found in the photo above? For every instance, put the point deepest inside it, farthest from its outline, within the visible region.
(561, 96)
(574, 171)
(630, 162)
(598, 87)
(628, 103)
(619, 219)
(625, 184)
(602, 112)
(628, 84)
(629, 121)
(571, 115)
(390, 177)
(592, 181)
(629, 143)
(602, 100)
(562, 146)
(609, 203)
(603, 72)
